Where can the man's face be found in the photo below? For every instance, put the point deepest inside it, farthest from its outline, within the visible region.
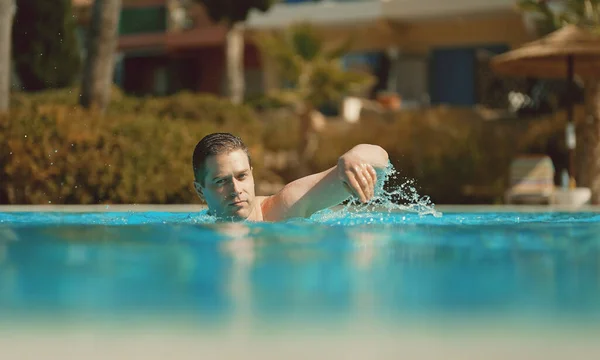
(228, 185)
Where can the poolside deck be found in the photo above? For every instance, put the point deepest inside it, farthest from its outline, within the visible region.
(352, 341)
(198, 207)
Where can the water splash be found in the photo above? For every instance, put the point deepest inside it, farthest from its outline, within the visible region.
(405, 192)
(387, 200)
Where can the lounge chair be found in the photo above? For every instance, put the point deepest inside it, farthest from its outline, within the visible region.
(531, 180)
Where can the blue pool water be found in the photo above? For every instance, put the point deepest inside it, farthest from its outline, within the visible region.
(380, 265)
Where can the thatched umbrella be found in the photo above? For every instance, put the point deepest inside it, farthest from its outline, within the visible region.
(564, 53)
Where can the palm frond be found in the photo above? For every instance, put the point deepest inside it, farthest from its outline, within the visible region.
(342, 49)
(315, 74)
(536, 7)
(283, 53)
(305, 41)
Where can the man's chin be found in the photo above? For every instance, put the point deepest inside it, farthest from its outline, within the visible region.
(233, 213)
(239, 215)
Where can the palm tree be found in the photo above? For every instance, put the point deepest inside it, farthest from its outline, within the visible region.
(549, 16)
(99, 65)
(7, 11)
(233, 13)
(314, 73)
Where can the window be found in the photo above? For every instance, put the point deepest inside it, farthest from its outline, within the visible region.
(143, 20)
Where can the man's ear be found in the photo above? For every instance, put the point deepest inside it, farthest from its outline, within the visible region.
(199, 190)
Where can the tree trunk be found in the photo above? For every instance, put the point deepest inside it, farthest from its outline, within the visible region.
(234, 53)
(308, 144)
(99, 66)
(7, 12)
(590, 141)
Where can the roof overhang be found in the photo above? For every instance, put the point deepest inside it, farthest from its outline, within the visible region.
(333, 13)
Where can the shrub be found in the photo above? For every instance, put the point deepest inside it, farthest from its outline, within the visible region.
(57, 153)
(281, 130)
(51, 150)
(447, 150)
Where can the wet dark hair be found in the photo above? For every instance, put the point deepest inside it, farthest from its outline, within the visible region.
(215, 144)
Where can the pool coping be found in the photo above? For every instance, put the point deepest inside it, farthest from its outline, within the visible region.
(200, 207)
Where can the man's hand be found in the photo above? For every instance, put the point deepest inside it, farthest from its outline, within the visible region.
(357, 173)
(358, 179)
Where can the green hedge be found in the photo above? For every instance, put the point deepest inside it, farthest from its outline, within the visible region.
(139, 152)
(52, 151)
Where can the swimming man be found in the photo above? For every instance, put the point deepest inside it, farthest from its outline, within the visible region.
(223, 177)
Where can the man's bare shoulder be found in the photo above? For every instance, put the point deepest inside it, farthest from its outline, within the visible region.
(278, 207)
(268, 205)
(262, 200)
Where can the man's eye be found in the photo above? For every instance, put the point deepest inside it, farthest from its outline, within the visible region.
(243, 176)
(221, 182)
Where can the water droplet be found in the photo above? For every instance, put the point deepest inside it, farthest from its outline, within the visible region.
(49, 202)
(25, 135)
(11, 153)
(51, 163)
(55, 150)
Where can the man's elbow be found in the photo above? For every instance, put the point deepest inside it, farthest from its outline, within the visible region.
(376, 155)
(383, 157)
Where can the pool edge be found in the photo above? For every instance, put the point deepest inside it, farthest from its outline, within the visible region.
(199, 207)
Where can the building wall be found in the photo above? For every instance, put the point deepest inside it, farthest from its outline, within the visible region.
(412, 79)
(201, 70)
(423, 35)
(421, 42)
(507, 28)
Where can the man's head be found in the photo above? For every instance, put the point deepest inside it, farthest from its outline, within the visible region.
(223, 175)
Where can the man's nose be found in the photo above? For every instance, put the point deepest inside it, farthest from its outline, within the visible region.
(235, 187)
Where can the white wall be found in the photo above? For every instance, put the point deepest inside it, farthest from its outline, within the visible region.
(423, 9)
(332, 12)
(325, 12)
(411, 81)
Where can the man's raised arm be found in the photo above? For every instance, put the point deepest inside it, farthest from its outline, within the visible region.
(353, 174)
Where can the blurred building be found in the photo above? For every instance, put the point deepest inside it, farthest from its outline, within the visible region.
(427, 51)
